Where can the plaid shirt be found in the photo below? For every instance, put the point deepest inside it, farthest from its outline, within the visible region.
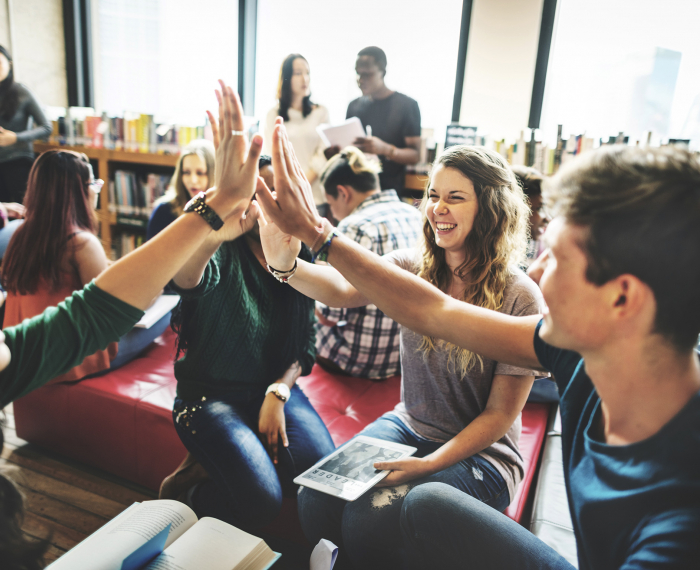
(365, 342)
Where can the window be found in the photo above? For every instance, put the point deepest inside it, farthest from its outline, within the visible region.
(628, 65)
(421, 42)
(162, 57)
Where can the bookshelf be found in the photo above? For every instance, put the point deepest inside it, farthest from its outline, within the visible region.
(105, 163)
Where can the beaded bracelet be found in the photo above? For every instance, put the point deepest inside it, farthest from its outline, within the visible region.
(322, 253)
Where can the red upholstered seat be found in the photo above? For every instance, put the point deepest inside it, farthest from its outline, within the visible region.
(121, 422)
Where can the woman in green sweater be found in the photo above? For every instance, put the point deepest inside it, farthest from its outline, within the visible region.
(55, 341)
(246, 338)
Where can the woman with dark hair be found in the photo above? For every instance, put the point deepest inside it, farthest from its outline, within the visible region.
(55, 252)
(17, 106)
(246, 338)
(459, 409)
(301, 117)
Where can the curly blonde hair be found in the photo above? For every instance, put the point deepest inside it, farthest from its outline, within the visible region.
(494, 246)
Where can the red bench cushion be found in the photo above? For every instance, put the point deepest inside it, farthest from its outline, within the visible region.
(121, 422)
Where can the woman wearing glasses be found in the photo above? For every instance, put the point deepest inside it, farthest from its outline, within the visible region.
(55, 251)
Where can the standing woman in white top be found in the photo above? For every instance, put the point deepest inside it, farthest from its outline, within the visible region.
(301, 117)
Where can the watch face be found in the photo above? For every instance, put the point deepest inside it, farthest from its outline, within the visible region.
(283, 390)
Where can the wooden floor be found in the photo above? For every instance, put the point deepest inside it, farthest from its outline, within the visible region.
(63, 497)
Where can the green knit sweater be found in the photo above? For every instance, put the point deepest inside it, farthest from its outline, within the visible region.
(240, 328)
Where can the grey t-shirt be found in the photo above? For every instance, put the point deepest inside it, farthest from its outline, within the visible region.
(437, 403)
(27, 108)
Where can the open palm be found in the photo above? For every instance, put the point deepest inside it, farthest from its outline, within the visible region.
(280, 249)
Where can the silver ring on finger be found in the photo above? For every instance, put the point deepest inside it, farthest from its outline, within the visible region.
(238, 133)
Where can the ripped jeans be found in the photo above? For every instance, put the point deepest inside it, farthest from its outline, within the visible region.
(245, 488)
(368, 530)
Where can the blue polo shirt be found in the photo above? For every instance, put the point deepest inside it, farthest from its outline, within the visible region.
(632, 506)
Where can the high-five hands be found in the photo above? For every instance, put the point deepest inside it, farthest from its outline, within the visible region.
(236, 162)
(292, 209)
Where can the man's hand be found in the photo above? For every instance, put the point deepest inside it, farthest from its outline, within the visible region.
(331, 151)
(292, 209)
(236, 174)
(271, 425)
(373, 145)
(7, 138)
(14, 210)
(403, 470)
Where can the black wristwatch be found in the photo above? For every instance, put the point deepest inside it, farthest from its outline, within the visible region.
(199, 206)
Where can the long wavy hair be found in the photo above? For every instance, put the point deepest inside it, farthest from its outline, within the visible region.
(9, 94)
(177, 195)
(494, 246)
(58, 203)
(284, 88)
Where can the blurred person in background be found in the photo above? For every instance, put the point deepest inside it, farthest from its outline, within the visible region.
(301, 117)
(530, 180)
(393, 118)
(194, 173)
(17, 107)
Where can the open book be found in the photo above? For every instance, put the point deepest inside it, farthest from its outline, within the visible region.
(166, 535)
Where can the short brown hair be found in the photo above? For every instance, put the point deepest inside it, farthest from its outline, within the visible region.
(642, 210)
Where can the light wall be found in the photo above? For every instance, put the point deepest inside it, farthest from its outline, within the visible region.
(32, 30)
(501, 56)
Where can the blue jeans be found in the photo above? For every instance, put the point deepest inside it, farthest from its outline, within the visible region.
(6, 234)
(245, 488)
(137, 340)
(367, 530)
(444, 528)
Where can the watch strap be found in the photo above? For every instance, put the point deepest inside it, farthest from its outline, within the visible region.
(199, 206)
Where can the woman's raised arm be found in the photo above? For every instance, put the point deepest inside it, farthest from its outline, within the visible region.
(138, 277)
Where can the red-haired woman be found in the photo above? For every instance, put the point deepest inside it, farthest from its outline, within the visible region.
(55, 251)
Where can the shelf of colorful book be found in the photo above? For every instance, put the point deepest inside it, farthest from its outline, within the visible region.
(122, 221)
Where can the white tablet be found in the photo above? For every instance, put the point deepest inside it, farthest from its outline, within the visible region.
(349, 471)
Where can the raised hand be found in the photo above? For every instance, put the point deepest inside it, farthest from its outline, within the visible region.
(292, 209)
(280, 249)
(236, 162)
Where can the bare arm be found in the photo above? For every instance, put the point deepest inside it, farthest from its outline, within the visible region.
(506, 400)
(405, 298)
(320, 282)
(89, 256)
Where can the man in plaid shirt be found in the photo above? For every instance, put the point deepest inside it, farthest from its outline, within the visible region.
(363, 341)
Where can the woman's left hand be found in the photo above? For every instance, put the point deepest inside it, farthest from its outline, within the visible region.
(272, 426)
(7, 138)
(403, 470)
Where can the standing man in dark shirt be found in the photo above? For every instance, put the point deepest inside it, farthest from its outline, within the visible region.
(394, 119)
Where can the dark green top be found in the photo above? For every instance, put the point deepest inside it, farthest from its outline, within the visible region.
(240, 327)
(58, 339)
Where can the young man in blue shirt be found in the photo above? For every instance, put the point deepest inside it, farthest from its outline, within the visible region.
(621, 282)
